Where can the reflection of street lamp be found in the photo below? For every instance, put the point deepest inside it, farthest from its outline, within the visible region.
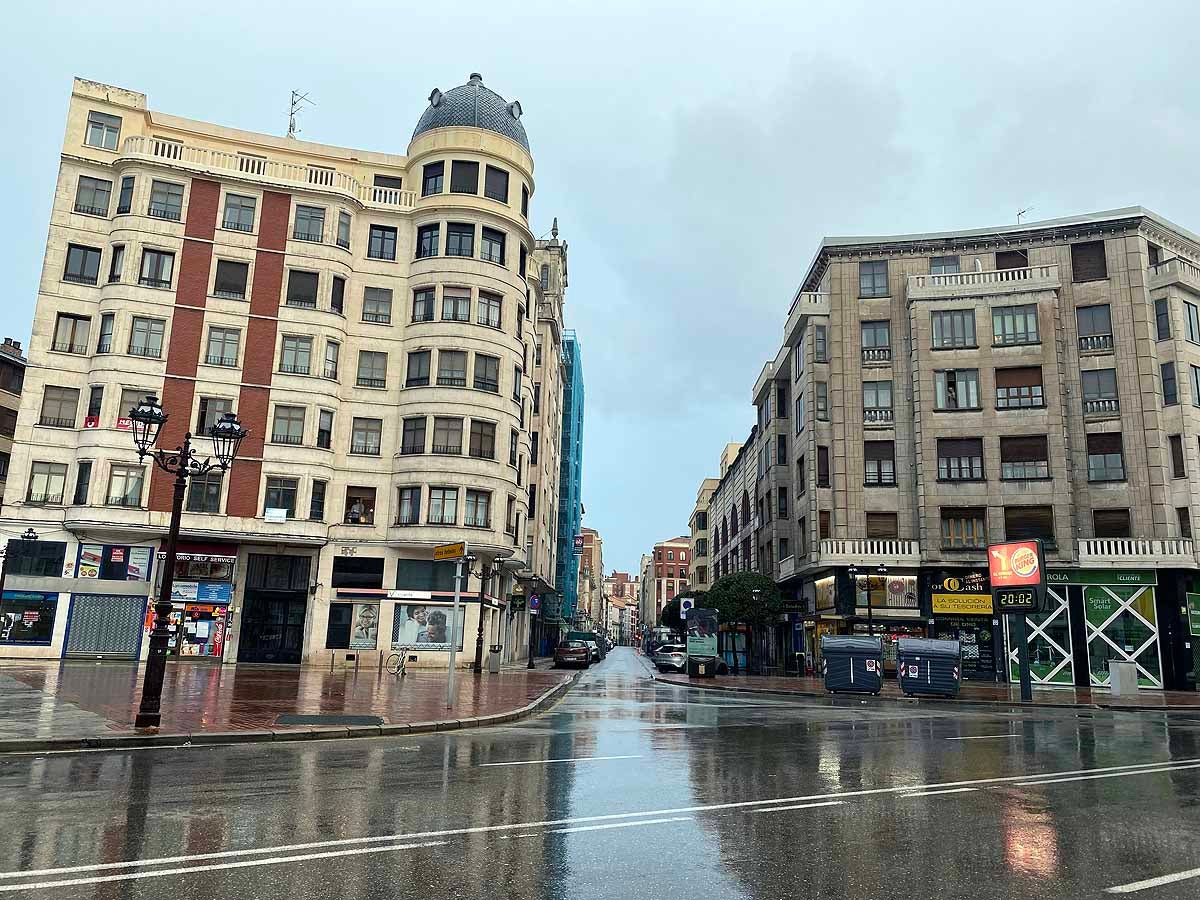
(148, 419)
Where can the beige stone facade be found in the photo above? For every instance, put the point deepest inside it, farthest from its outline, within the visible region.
(12, 378)
(698, 575)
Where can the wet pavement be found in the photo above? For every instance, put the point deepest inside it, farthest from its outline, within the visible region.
(631, 788)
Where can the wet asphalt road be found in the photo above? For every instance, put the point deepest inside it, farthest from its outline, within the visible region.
(631, 789)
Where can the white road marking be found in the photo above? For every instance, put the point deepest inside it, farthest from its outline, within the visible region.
(609, 817)
(546, 762)
(986, 737)
(241, 864)
(517, 837)
(801, 806)
(1106, 775)
(962, 790)
(1136, 886)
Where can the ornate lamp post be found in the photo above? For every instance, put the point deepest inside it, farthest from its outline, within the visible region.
(148, 419)
(486, 576)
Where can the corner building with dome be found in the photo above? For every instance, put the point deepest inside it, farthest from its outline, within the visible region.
(387, 327)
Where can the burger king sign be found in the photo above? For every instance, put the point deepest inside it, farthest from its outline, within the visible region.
(1017, 573)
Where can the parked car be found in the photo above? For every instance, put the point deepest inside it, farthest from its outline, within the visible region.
(671, 658)
(595, 648)
(572, 653)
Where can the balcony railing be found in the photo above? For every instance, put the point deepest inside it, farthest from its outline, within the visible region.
(975, 284)
(804, 305)
(261, 169)
(312, 237)
(492, 387)
(1175, 269)
(230, 295)
(233, 225)
(56, 422)
(1094, 342)
(159, 211)
(451, 381)
(128, 502)
(378, 318)
(364, 449)
(343, 243)
(1137, 551)
(330, 371)
(877, 354)
(856, 551)
(76, 278)
(161, 283)
(477, 522)
(287, 439)
(91, 210)
(1104, 407)
(39, 499)
(293, 369)
(447, 449)
(302, 302)
(364, 381)
(68, 347)
(148, 352)
(878, 415)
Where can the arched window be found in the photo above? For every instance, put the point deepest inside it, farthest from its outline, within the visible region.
(745, 508)
(545, 276)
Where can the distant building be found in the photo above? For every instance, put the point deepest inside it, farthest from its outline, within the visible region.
(669, 572)
(698, 578)
(570, 499)
(590, 578)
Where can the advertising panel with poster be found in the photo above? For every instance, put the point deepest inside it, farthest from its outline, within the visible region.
(424, 626)
(1017, 574)
(364, 626)
(702, 633)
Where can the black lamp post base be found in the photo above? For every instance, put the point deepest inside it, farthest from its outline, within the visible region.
(147, 720)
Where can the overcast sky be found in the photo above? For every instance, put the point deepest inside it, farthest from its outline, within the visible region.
(694, 154)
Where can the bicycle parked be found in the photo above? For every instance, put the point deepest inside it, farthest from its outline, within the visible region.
(395, 665)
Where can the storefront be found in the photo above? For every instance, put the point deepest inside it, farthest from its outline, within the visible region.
(959, 602)
(27, 618)
(201, 593)
(108, 621)
(887, 607)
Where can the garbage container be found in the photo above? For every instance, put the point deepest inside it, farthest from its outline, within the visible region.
(493, 663)
(852, 663)
(1122, 678)
(927, 666)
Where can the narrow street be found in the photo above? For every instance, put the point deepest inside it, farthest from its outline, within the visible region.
(629, 788)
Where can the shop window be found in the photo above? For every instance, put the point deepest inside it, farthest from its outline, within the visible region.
(35, 559)
(337, 633)
(357, 572)
(425, 575)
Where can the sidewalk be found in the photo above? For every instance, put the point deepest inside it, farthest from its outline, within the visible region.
(970, 692)
(70, 704)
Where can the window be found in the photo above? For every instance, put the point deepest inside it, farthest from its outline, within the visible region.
(427, 241)
(377, 305)
(544, 277)
(495, 184)
(157, 268)
(489, 309)
(512, 447)
(510, 524)
(130, 398)
(464, 177)
(782, 502)
(289, 425)
(360, 506)
(281, 494)
(1019, 388)
(516, 394)
(83, 480)
(343, 230)
(365, 436)
(92, 196)
(125, 199)
(239, 212)
(1106, 460)
(413, 436)
(1095, 327)
(104, 344)
(166, 201)
(822, 467)
(452, 368)
(521, 265)
(876, 342)
(209, 411)
(535, 448)
(956, 389)
(71, 333)
(1099, 391)
(59, 407)
(83, 264)
(333, 352)
(877, 401)
(231, 279)
(1170, 387)
(204, 492)
(460, 239)
(537, 353)
(1177, 463)
(325, 429)
(487, 373)
(882, 526)
(381, 243)
(525, 201)
(821, 344)
(943, 265)
(456, 306)
(117, 264)
(824, 525)
(491, 245)
(960, 459)
(1185, 522)
(443, 506)
(953, 328)
(1162, 318)
(1015, 325)
(102, 130)
(372, 369)
(316, 501)
(431, 180)
(302, 289)
(781, 449)
(447, 435)
(1111, 523)
(337, 295)
(1087, 262)
(1195, 385)
(95, 401)
(125, 486)
(963, 528)
(295, 356)
(146, 337)
(479, 509)
(47, 481)
(423, 305)
(418, 369)
(483, 439)
(1023, 523)
(1024, 458)
(1012, 259)
(822, 391)
(222, 348)
(873, 278)
(310, 224)
(537, 398)
(408, 506)
(879, 461)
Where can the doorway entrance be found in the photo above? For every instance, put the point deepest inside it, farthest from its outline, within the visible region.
(274, 609)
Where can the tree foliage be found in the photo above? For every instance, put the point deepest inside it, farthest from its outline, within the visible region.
(670, 618)
(733, 596)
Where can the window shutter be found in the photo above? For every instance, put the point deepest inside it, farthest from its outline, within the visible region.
(881, 525)
(1109, 442)
(1112, 523)
(1012, 259)
(879, 450)
(1087, 262)
(957, 447)
(1023, 449)
(1024, 376)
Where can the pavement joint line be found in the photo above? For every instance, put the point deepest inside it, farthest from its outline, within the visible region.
(542, 762)
(801, 806)
(961, 790)
(517, 826)
(1161, 880)
(1105, 775)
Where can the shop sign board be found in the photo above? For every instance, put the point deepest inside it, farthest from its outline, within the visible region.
(1017, 572)
(1193, 608)
(1100, 576)
(964, 594)
(450, 551)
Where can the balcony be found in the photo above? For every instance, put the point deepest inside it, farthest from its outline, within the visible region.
(807, 303)
(1105, 406)
(369, 382)
(311, 237)
(786, 568)
(983, 284)
(878, 416)
(1170, 271)
(765, 377)
(877, 355)
(261, 170)
(1127, 552)
(1095, 343)
(870, 551)
(68, 347)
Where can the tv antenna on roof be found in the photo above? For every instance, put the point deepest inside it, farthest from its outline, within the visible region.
(1021, 212)
(298, 99)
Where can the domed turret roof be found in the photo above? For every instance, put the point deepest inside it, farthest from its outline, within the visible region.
(474, 106)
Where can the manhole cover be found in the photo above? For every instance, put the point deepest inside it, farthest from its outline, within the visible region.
(293, 719)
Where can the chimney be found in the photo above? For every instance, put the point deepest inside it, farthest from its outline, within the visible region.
(11, 347)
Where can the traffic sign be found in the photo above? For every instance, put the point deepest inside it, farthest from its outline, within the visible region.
(450, 551)
(535, 604)
(686, 605)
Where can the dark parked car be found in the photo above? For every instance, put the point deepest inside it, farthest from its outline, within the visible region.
(572, 653)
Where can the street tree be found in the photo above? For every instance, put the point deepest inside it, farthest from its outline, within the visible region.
(749, 599)
(670, 617)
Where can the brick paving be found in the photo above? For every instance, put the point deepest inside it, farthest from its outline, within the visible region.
(76, 699)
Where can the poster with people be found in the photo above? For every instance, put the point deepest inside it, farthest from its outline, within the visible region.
(421, 626)
(364, 627)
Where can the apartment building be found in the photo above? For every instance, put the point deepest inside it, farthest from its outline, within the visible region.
(698, 578)
(937, 392)
(387, 328)
(589, 577)
(570, 479)
(12, 379)
(668, 574)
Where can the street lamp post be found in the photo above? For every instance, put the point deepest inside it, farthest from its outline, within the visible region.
(148, 419)
(486, 577)
(852, 574)
(882, 570)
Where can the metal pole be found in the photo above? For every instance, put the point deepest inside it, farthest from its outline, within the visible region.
(458, 571)
(1019, 626)
(484, 582)
(532, 626)
(149, 713)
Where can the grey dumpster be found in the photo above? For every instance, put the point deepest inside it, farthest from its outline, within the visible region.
(1122, 678)
(927, 666)
(852, 664)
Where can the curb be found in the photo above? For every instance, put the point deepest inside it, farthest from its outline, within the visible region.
(132, 740)
(931, 701)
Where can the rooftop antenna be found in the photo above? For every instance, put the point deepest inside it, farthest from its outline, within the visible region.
(298, 99)
(1021, 212)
